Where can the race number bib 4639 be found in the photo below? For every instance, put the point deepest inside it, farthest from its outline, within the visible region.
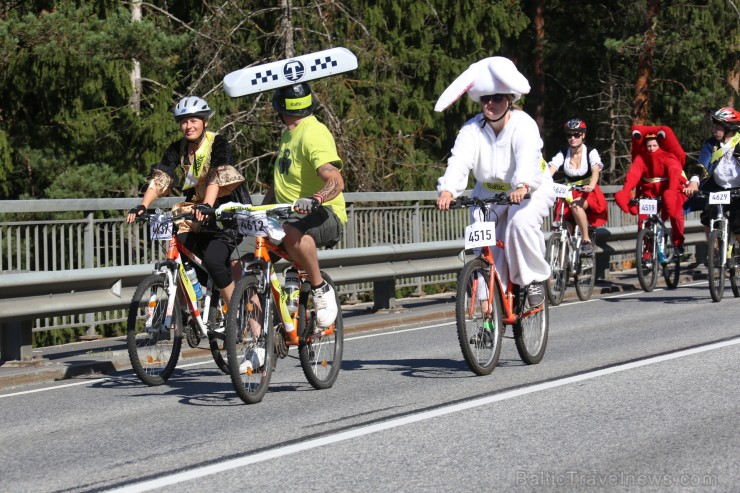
(160, 228)
(480, 234)
(648, 207)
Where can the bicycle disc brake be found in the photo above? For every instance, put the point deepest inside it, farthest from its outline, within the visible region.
(192, 334)
(281, 350)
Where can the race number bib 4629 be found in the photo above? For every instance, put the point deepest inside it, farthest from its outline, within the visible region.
(480, 234)
(722, 197)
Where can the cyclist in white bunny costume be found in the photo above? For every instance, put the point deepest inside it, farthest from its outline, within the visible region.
(502, 147)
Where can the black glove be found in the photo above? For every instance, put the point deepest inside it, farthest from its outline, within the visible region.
(306, 204)
(205, 209)
(138, 210)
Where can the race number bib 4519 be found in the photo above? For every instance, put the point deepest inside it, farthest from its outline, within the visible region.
(648, 207)
(480, 234)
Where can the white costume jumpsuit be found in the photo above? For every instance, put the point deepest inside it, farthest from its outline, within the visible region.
(512, 157)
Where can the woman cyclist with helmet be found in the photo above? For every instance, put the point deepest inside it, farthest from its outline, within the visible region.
(200, 167)
(718, 166)
(581, 167)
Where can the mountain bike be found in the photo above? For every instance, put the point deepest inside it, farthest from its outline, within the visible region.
(723, 252)
(262, 310)
(654, 247)
(483, 306)
(165, 306)
(563, 253)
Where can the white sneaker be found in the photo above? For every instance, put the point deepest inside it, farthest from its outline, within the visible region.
(325, 302)
(254, 358)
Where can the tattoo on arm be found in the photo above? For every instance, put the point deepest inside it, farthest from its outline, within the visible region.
(333, 182)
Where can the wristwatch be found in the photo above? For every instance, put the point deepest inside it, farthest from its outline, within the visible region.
(522, 185)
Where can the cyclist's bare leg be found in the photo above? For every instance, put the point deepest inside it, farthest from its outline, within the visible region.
(578, 208)
(302, 248)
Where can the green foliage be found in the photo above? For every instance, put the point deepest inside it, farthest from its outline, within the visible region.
(66, 84)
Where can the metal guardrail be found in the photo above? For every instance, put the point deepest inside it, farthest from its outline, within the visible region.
(26, 296)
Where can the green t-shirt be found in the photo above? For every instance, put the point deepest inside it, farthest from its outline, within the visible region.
(303, 150)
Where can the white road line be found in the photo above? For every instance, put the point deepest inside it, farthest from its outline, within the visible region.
(398, 422)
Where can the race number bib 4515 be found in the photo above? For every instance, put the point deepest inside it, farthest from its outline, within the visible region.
(480, 234)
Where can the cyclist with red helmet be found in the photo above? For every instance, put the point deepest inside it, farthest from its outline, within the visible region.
(307, 174)
(718, 165)
(581, 167)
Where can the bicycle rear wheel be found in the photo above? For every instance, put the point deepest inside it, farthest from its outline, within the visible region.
(672, 268)
(715, 267)
(478, 333)
(247, 312)
(559, 266)
(320, 351)
(585, 277)
(153, 345)
(734, 265)
(646, 259)
(530, 333)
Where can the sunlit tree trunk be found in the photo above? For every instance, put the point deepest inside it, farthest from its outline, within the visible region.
(539, 64)
(286, 26)
(135, 99)
(641, 102)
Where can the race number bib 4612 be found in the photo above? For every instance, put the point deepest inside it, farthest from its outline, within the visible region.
(258, 224)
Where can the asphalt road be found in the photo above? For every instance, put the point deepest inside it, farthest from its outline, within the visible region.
(637, 391)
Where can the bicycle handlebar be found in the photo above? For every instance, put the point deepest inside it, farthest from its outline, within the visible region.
(703, 194)
(498, 199)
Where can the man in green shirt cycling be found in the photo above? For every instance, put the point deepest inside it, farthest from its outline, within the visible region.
(307, 174)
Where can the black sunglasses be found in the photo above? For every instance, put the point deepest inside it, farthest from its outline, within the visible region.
(496, 98)
(575, 135)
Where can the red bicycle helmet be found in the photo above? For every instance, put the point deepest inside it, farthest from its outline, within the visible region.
(727, 117)
(574, 125)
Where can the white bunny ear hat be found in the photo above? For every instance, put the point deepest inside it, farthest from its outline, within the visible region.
(494, 75)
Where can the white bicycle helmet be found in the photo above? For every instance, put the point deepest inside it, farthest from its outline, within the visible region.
(192, 106)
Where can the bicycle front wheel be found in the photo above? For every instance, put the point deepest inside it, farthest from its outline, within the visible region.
(734, 264)
(530, 333)
(557, 257)
(249, 333)
(320, 351)
(479, 317)
(153, 341)
(585, 277)
(715, 266)
(672, 269)
(646, 259)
